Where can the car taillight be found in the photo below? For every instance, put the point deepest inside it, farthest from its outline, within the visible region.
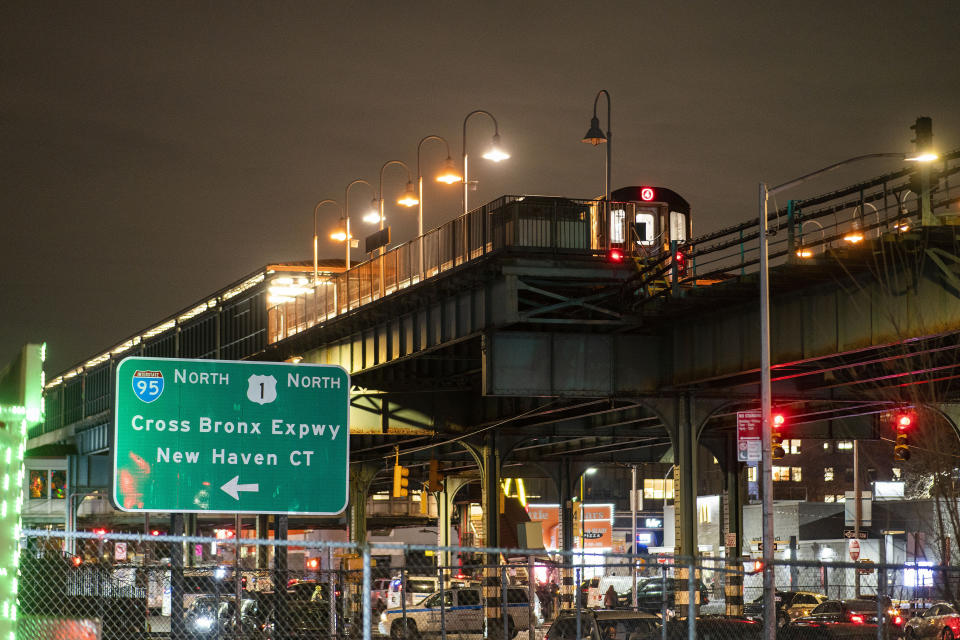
(897, 620)
(856, 618)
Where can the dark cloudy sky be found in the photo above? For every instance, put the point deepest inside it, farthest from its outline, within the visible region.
(154, 152)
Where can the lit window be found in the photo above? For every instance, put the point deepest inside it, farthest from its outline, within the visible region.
(703, 514)
(896, 473)
(617, 217)
(751, 474)
(841, 497)
(844, 445)
(826, 446)
(678, 226)
(38, 484)
(381, 495)
(796, 474)
(643, 227)
(793, 446)
(654, 489)
(828, 475)
(828, 498)
(781, 474)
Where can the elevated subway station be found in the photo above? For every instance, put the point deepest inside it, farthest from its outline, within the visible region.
(512, 341)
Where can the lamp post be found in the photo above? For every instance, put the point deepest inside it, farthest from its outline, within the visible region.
(495, 153)
(766, 463)
(596, 136)
(316, 210)
(408, 199)
(448, 176)
(346, 217)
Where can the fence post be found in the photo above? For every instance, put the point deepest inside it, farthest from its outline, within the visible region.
(531, 594)
(576, 596)
(663, 603)
(403, 596)
(504, 609)
(443, 591)
(332, 594)
(177, 630)
(693, 589)
(366, 593)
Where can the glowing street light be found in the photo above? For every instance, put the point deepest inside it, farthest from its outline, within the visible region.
(449, 175)
(316, 210)
(495, 153)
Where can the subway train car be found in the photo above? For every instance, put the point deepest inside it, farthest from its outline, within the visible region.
(645, 220)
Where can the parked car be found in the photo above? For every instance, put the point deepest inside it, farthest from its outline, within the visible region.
(379, 594)
(463, 612)
(650, 596)
(710, 628)
(790, 606)
(848, 618)
(603, 625)
(939, 621)
(621, 584)
(416, 589)
(207, 614)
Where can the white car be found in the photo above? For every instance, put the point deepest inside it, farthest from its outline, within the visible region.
(417, 588)
(462, 613)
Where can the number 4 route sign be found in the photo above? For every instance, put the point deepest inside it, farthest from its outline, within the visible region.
(215, 436)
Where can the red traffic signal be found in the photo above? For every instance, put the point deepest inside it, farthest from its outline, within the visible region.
(903, 421)
(777, 420)
(615, 255)
(100, 532)
(313, 563)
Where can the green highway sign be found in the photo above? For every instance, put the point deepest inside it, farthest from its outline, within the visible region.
(216, 436)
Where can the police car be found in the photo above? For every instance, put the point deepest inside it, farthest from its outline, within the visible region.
(462, 612)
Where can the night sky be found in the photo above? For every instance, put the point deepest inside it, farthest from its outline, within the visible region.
(155, 152)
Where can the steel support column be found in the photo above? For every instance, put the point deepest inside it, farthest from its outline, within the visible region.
(361, 475)
(490, 479)
(733, 587)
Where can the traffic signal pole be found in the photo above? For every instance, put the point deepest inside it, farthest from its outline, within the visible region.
(766, 471)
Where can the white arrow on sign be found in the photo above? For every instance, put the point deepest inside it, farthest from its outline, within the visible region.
(233, 487)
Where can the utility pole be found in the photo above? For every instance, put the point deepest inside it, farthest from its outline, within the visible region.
(633, 529)
(858, 506)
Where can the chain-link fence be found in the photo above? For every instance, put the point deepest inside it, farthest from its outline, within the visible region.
(123, 587)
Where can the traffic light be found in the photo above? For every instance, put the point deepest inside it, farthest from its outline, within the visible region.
(401, 478)
(777, 421)
(313, 564)
(680, 258)
(615, 255)
(757, 566)
(901, 450)
(435, 482)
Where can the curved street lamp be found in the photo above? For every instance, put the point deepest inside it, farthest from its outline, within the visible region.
(494, 153)
(409, 197)
(345, 234)
(449, 175)
(766, 463)
(596, 136)
(316, 210)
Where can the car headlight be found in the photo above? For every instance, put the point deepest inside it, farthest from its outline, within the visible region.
(383, 617)
(204, 623)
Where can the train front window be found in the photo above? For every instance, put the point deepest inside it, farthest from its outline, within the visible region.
(678, 226)
(643, 229)
(617, 219)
